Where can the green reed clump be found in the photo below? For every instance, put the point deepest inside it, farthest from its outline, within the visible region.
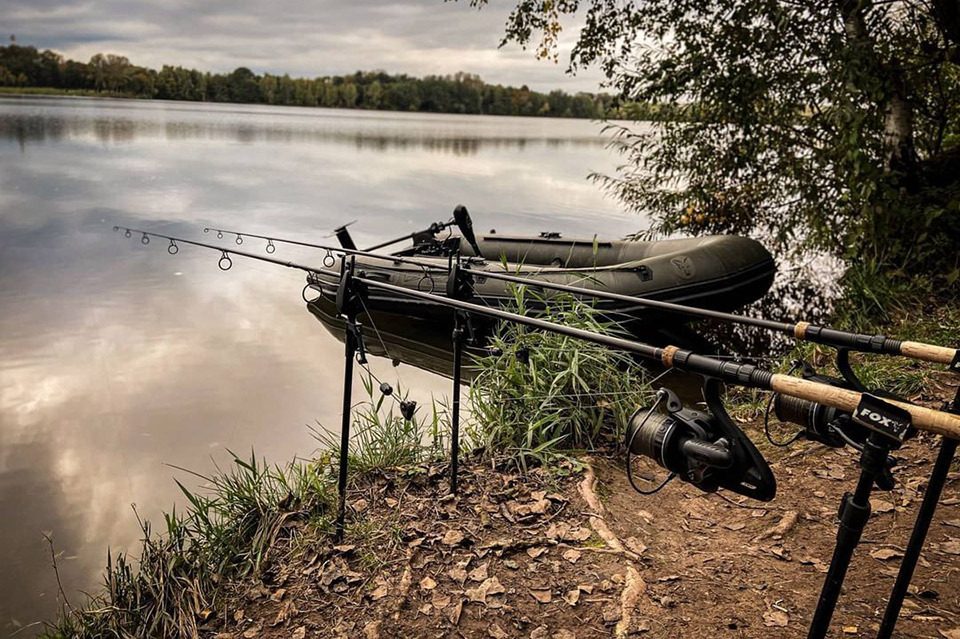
(548, 394)
(382, 438)
(224, 534)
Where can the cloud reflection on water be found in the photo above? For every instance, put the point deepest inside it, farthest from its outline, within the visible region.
(116, 358)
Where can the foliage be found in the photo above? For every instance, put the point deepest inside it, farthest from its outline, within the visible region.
(541, 393)
(829, 126)
(225, 533)
(24, 66)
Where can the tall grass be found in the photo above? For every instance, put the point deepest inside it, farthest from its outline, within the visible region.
(225, 533)
(382, 438)
(543, 394)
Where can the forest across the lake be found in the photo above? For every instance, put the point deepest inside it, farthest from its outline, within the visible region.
(29, 69)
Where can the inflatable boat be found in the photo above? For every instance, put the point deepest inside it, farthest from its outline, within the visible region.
(722, 272)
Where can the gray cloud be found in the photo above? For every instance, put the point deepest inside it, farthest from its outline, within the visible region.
(319, 37)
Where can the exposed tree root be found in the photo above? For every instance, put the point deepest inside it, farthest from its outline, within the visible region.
(588, 491)
(632, 589)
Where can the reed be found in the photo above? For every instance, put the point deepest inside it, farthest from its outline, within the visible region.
(382, 438)
(546, 394)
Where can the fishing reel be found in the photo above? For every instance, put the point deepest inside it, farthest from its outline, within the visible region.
(833, 427)
(824, 424)
(703, 448)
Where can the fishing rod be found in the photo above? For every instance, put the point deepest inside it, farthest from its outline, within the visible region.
(328, 260)
(861, 342)
(674, 357)
(225, 263)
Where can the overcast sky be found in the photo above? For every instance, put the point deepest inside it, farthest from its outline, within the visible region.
(299, 37)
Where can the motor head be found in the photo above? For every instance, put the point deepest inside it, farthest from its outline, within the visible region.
(462, 219)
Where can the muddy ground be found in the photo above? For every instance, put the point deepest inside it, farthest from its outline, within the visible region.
(582, 555)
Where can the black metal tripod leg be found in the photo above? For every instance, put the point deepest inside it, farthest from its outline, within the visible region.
(948, 448)
(854, 513)
(458, 336)
(350, 349)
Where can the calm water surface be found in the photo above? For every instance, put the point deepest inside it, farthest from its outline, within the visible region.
(118, 361)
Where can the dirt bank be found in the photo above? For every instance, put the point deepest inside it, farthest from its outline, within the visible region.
(584, 556)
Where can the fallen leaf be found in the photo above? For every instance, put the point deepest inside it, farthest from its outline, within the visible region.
(497, 632)
(536, 551)
(379, 592)
(427, 583)
(540, 632)
(453, 538)
(776, 619)
(851, 630)
(579, 534)
(255, 631)
(881, 506)
(440, 600)
(543, 596)
(572, 597)
(299, 633)
(455, 613)
(951, 547)
(563, 633)
(951, 634)
(735, 526)
(278, 595)
(457, 574)
(238, 616)
(479, 573)
(489, 587)
(573, 556)
(884, 554)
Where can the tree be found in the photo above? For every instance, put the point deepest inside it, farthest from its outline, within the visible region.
(832, 125)
(243, 86)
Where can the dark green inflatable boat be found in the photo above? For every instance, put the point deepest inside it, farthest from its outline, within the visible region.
(716, 272)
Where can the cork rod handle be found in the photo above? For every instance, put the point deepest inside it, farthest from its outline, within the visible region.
(928, 352)
(938, 422)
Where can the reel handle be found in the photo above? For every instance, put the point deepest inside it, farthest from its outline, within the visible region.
(709, 453)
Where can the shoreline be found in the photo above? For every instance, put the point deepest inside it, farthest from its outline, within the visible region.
(85, 93)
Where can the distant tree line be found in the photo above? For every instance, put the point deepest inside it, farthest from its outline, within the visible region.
(25, 66)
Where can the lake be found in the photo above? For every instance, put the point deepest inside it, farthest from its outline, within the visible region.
(119, 361)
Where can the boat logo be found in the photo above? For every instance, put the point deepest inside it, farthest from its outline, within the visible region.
(684, 266)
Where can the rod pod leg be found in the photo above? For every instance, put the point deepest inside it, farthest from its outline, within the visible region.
(349, 351)
(948, 447)
(854, 513)
(458, 336)
(931, 497)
